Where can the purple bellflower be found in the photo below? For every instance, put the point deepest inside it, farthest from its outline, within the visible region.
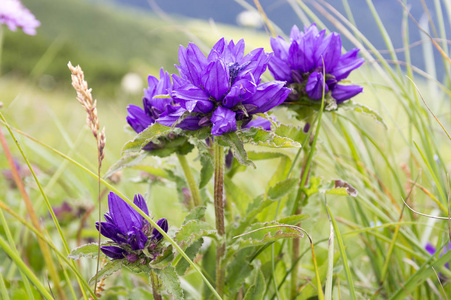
(129, 231)
(13, 14)
(222, 90)
(300, 63)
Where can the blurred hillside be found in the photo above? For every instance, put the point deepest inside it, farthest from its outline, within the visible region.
(104, 40)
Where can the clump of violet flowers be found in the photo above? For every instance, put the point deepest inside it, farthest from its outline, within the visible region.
(309, 60)
(222, 90)
(132, 236)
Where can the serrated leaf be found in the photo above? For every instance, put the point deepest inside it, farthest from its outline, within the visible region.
(232, 140)
(282, 188)
(192, 231)
(164, 259)
(261, 137)
(170, 282)
(257, 290)
(207, 170)
(253, 209)
(196, 213)
(88, 250)
(108, 269)
(292, 220)
(262, 233)
(149, 134)
(357, 107)
(295, 133)
(238, 270)
(126, 161)
(191, 251)
(136, 267)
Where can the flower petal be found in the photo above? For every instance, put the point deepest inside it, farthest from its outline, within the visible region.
(215, 79)
(344, 92)
(156, 235)
(280, 69)
(112, 232)
(329, 51)
(347, 63)
(259, 122)
(193, 99)
(114, 252)
(268, 95)
(314, 87)
(137, 239)
(123, 215)
(241, 90)
(223, 120)
(141, 203)
(192, 62)
(138, 119)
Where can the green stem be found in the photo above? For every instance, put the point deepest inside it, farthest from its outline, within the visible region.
(219, 214)
(195, 194)
(155, 286)
(23, 267)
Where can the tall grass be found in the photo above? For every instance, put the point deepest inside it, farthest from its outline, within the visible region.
(376, 246)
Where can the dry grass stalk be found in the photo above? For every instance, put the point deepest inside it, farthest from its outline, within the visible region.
(84, 96)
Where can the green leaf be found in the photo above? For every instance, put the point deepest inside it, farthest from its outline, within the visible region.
(191, 251)
(164, 259)
(261, 137)
(108, 269)
(282, 188)
(257, 290)
(262, 233)
(207, 170)
(149, 134)
(295, 133)
(253, 209)
(238, 270)
(357, 107)
(170, 282)
(126, 161)
(232, 140)
(196, 213)
(292, 220)
(192, 231)
(88, 250)
(136, 267)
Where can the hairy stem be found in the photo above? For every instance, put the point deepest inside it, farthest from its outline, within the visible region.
(194, 189)
(155, 286)
(219, 214)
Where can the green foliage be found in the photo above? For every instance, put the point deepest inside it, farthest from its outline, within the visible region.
(109, 268)
(170, 282)
(193, 230)
(88, 250)
(182, 266)
(257, 289)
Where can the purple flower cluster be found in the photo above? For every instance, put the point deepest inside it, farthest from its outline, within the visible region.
(129, 231)
(309, 59)
(222, 90)
(14, 14)
(432, 250)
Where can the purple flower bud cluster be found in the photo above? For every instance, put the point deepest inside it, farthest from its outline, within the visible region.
(14, 14)
(312, 58)
(222, 90)
(129, 231)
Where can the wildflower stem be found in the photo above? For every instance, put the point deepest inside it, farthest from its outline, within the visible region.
(195, 194)
(219, 213)
(155, 286)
